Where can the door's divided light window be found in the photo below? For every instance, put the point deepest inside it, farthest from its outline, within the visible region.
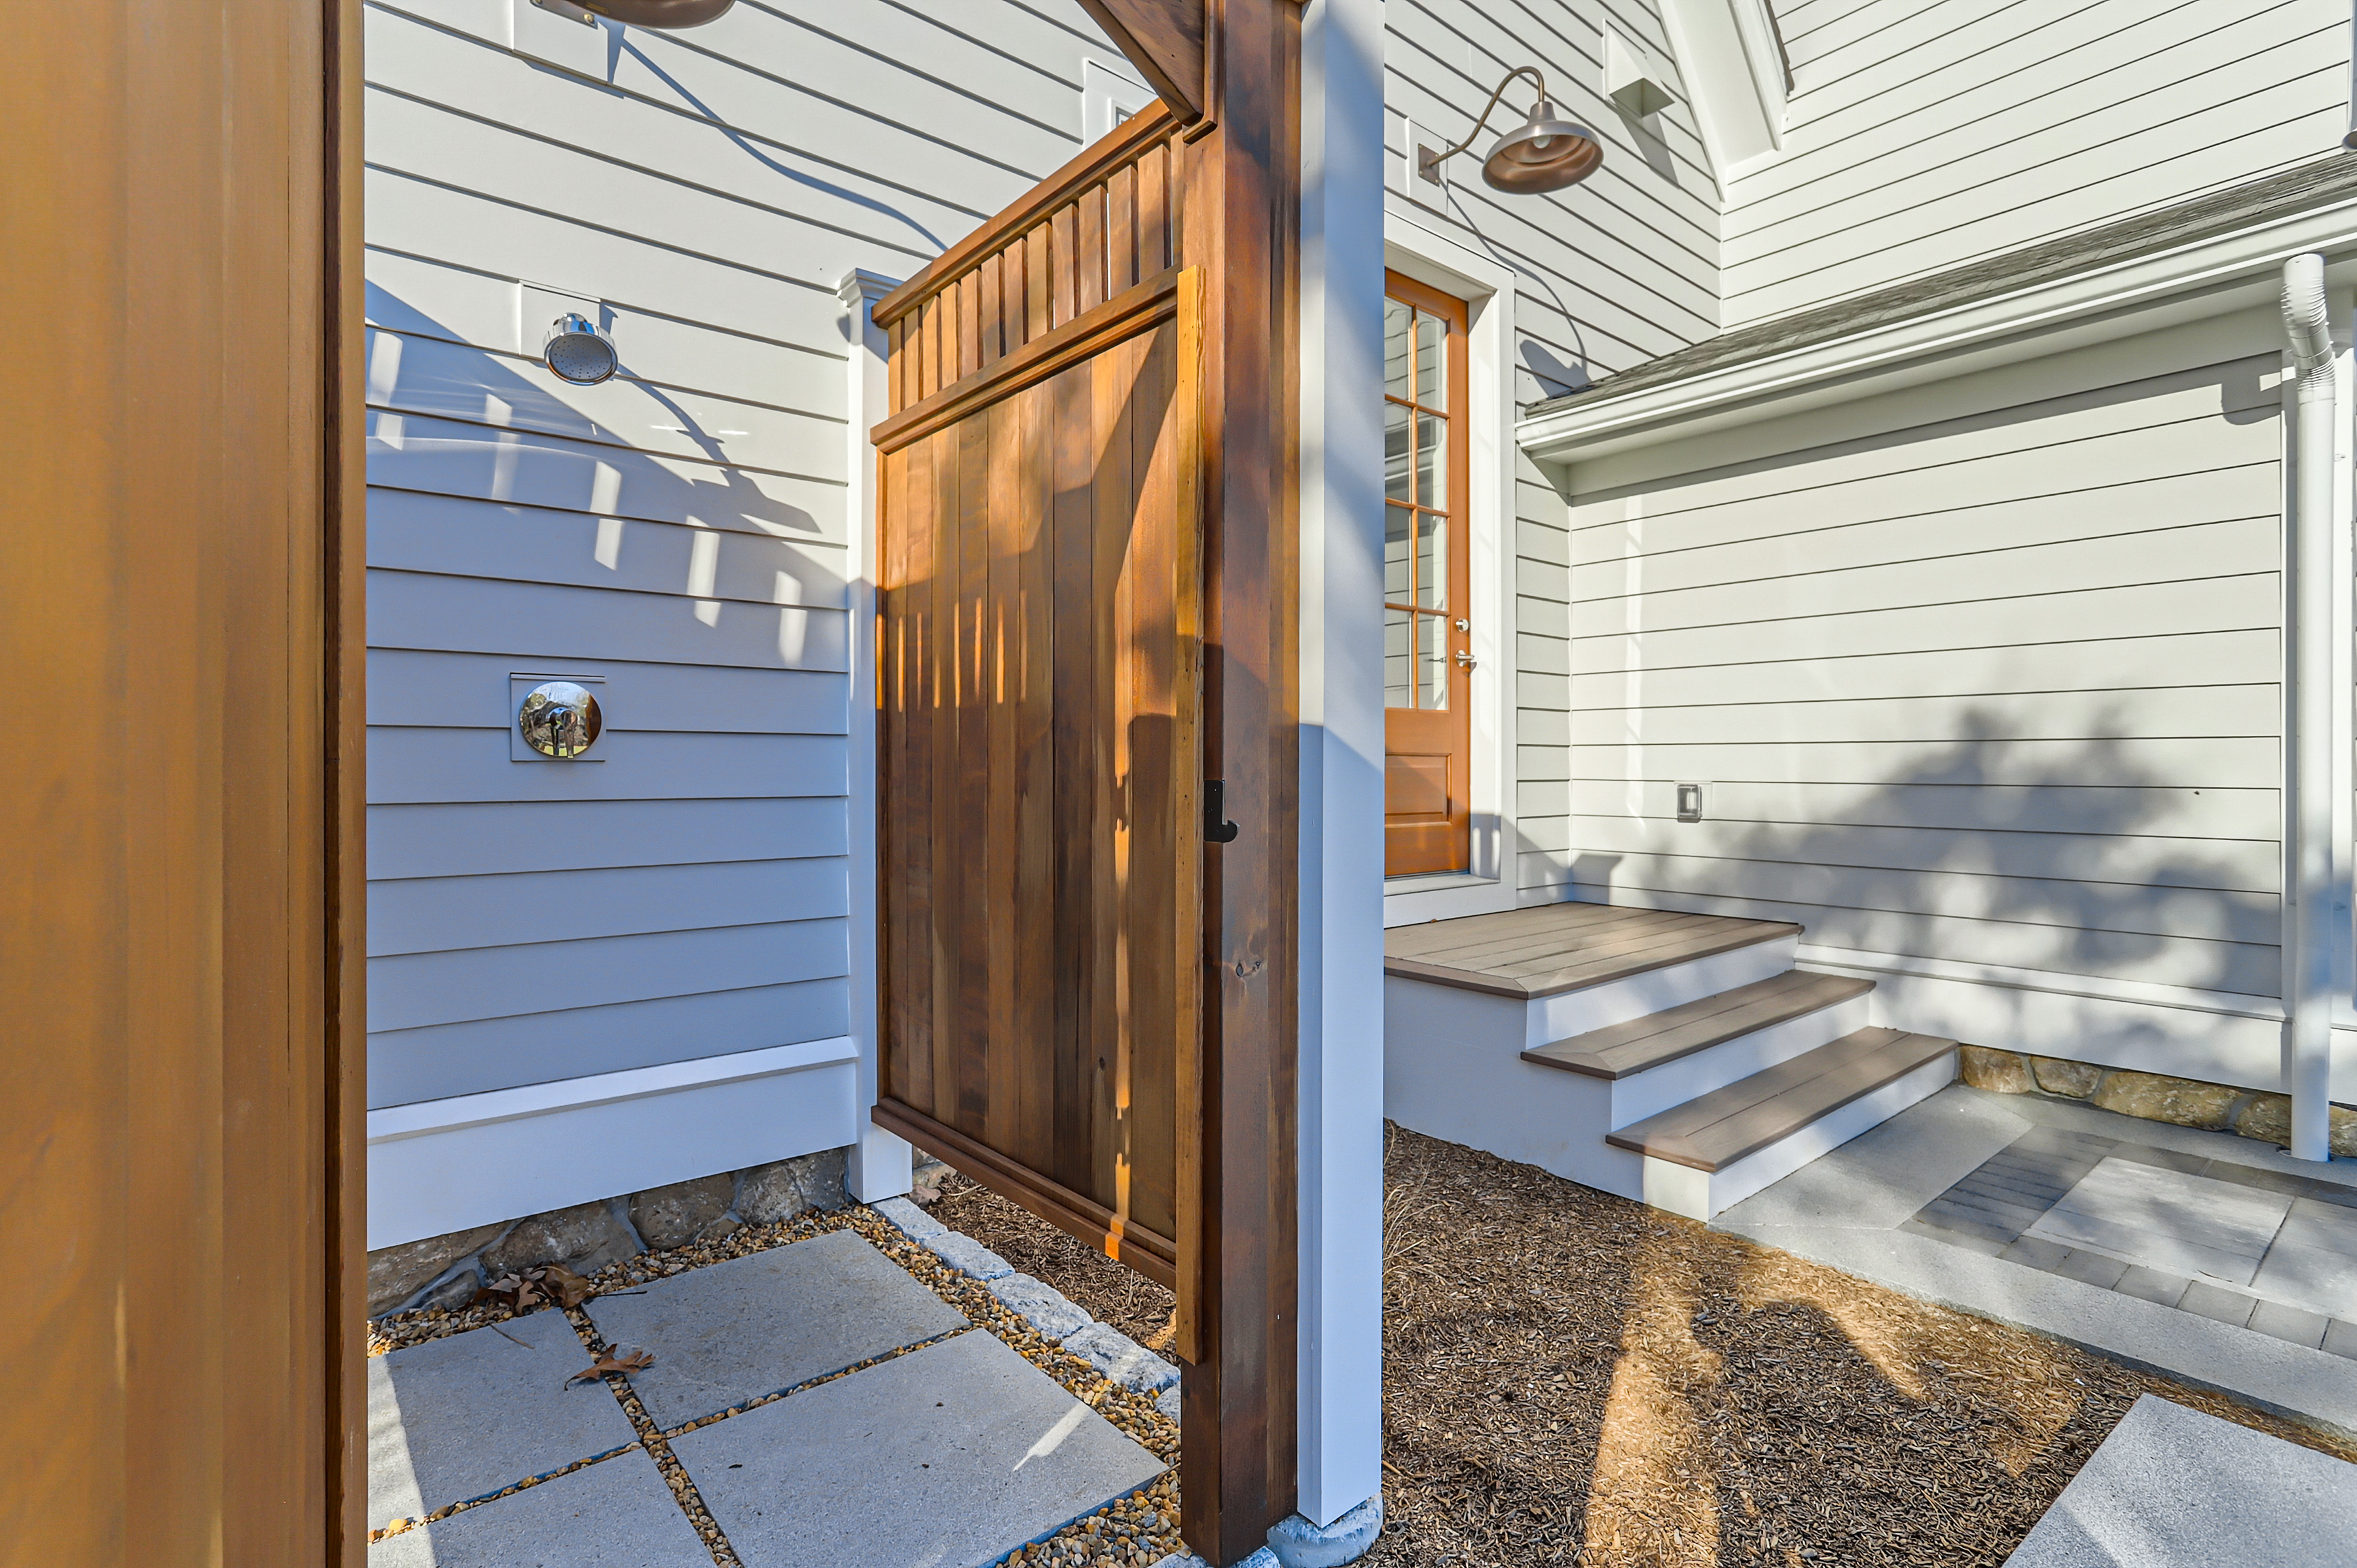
(1425, 644)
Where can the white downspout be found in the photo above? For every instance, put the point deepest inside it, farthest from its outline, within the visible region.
(2309, 554)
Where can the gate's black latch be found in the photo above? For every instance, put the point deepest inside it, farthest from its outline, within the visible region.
(1216, 826)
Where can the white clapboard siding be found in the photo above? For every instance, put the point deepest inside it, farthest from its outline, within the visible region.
(538, 621)
(481, 837)
(1966, 805)
(2250, 969)
(2002, 688)
(435, 1061)
(458, 536)
(410, 766)
(445, 914)
(469, 691)
(427, 375)
(411, 990)
(2097, 665)
(1921, 137)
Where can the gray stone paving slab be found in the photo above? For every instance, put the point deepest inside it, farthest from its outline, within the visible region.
(2034, 1254)
(949, 1456)
(2168, 1218)
(2152, 1285)
(2092, 1268)
(615, 1514)
(2309, 1277)
(2290, 1322)
(2173, 1487)
(2217, 1302)
(2324, 1226)
(2341, 1338)
(462, 1416)
(767, 1321)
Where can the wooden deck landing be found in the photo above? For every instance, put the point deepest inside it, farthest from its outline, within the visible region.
(1555, 948)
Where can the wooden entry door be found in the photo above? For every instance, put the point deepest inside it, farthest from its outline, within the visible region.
(1041, 697)
(1427, 728)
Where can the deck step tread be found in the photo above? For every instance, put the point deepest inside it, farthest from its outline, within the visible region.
(1555, 948)
(1623, 1050)
(1714, 1130)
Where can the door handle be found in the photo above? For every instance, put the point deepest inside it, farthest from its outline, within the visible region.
(1465, 660)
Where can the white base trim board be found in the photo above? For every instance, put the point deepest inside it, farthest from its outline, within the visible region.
(475, 1159)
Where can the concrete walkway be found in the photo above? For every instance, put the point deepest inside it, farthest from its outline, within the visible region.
(814, 1403)
(2205, 1256)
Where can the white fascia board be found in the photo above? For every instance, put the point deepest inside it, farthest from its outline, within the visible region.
(1733, 75)
(2201, 278)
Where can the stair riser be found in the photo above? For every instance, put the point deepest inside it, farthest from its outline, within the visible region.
(1558, 1018)
(1706, 1195)
(1689, 1078)
(1452, 1070)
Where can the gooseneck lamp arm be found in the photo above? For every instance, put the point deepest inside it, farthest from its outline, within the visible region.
(1433, 161)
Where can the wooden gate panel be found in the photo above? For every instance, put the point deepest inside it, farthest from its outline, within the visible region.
(1040, 758)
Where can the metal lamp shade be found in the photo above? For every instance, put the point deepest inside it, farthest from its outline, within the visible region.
(659, 13)
(1547, 152)
(575, 351)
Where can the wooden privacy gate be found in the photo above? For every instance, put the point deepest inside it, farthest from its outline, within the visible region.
(1085, 615)
(1040, 678)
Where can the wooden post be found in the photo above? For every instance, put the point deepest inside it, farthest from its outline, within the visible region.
(1243, 215)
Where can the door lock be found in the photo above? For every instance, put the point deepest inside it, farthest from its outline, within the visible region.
(1465, 660)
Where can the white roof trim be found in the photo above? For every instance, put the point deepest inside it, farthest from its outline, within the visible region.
(2111, 301)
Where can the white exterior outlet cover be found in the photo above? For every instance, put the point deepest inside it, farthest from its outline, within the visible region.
(1633, 78)
(558, 33)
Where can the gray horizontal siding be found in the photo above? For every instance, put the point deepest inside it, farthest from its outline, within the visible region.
(678, 532)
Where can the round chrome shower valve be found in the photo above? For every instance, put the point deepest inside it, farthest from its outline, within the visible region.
(559, 719)
(575, 351)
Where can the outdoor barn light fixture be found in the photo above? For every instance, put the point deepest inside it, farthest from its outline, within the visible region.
(1547, 152)
(560, 719)
(575, 351)
(652, 13)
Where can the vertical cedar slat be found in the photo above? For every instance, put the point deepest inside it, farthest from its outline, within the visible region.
(1035, 786)
(929, 348)
(1063, 267)
(897, 365)
(947, 863)
(994, 342)
(972, 935)
(1037, 303)
(907, 827)
(1092, 247)
(1155, 903)
(1154, 210)
(1008, 1059)
(1121, 229)
(1077, 782)
(969, 335)
(1189, 1174)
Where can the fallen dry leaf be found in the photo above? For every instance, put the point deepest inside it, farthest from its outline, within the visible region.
(613, 1363)
(569, 1288)
(519, 1292)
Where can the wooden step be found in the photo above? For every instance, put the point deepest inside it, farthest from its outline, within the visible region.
(1555, 948)
(1626, 1049)
(1747, 1116)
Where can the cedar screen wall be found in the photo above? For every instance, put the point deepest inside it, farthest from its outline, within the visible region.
(1039, 680)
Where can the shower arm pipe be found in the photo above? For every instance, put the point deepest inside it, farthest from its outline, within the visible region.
(1432, 161)
(2310, 925)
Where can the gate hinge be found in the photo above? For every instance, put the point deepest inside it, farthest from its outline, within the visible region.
(1217, 829)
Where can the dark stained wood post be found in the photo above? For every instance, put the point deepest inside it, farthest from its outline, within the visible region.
(1239, 1398)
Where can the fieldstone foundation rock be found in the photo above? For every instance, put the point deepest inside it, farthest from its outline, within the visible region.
(767, 1193)
(2180, 1101)
(2261, 1116)
(396, 1273)
(446, 1271)
(1999, 1072)
(2074, 1080)
(675, 1215)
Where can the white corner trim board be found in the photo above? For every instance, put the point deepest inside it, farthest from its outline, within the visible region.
(474, 1159)
(2226, 272)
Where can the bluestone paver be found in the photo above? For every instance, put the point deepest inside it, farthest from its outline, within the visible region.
(2172, 1488)
(2290, 1322)
(2309, 1277)
(2341, 1337)
(2152, 1285)
(462, 1416)
(2035, 1253)
(2093, 1268)
(950, 1457)
(615, 1514)
(767, 1321)
(2216, 1302)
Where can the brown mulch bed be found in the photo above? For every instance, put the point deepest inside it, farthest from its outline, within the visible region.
(1574, 1378)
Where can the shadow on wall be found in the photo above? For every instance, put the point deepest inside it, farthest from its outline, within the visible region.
(448, 419)
(2075, 856)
